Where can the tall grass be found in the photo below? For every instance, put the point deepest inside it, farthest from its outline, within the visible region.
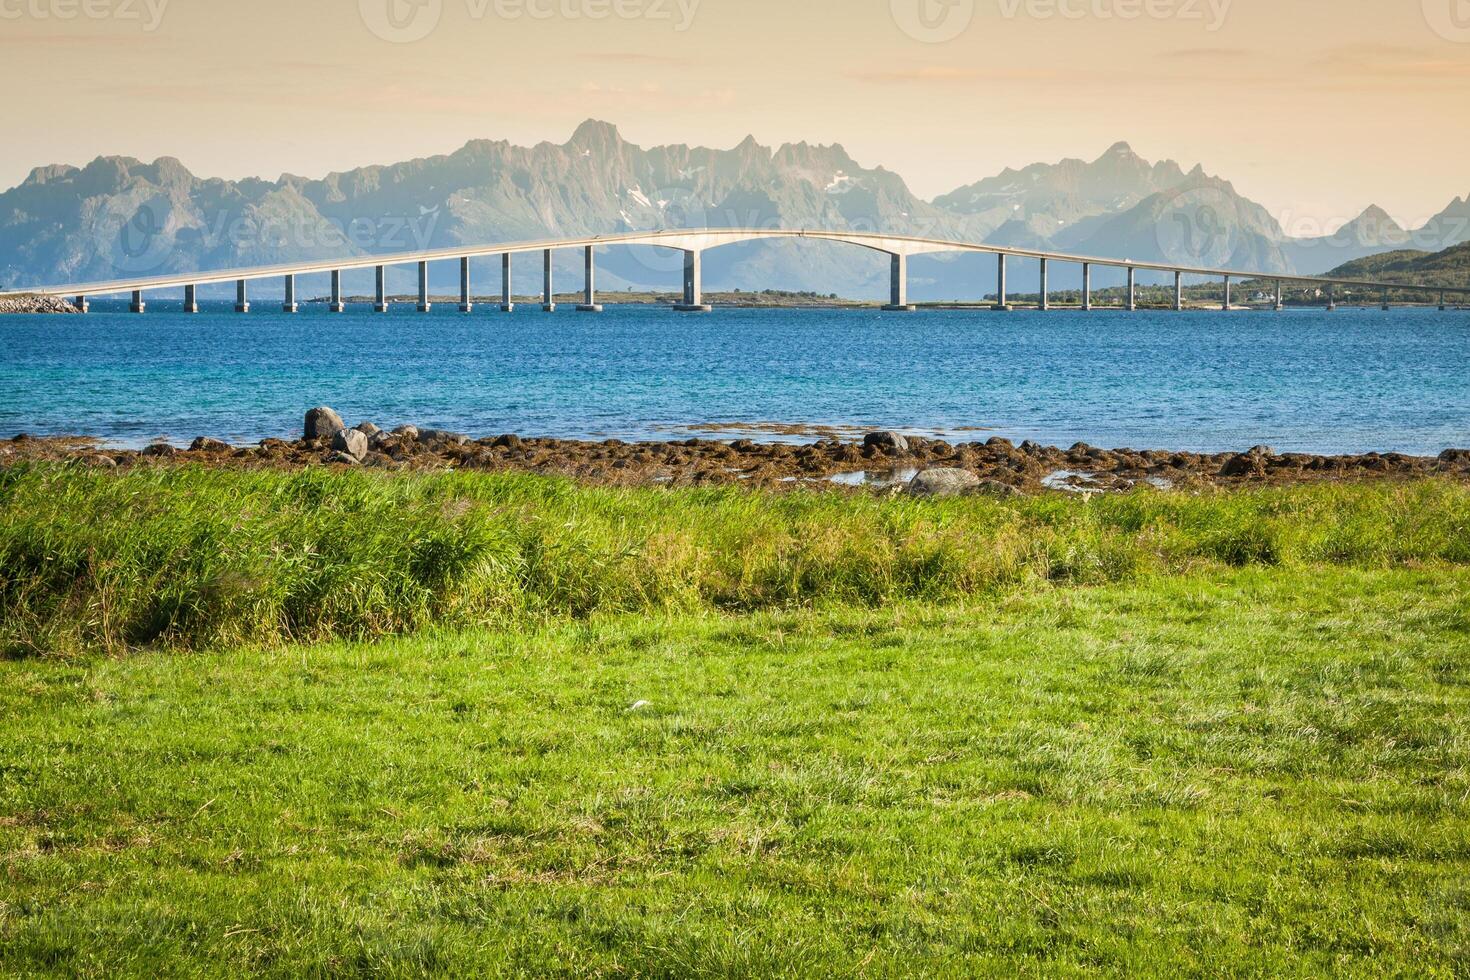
(190, 557)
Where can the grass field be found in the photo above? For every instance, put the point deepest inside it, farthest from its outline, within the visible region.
(191, 557)
(1240, 746)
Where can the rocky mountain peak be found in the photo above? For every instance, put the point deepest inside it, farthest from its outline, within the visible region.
(597, 136)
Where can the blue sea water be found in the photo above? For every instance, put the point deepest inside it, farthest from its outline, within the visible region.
(1307, 381)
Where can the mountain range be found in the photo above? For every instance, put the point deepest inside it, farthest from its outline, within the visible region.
(118, 217)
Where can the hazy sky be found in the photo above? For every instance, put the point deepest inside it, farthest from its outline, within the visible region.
(1314, 108)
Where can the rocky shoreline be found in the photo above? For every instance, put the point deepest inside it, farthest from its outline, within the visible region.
(35, 304)
(885, 461)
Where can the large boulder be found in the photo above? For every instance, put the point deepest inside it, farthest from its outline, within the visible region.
(350, 442)
(943, 483)
(323, 423)
(887, 442)
(1249, 464)
(443, 435)
(367, 428)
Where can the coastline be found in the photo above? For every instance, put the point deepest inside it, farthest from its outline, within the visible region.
(879, 461)
(35, 304)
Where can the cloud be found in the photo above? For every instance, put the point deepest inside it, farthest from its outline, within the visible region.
(941, 74)
(1208, 54)
(1357, 66)
(633, 58)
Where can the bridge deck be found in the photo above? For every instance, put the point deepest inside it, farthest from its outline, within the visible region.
(697, 240)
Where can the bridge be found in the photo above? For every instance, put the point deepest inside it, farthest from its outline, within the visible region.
(694, 243)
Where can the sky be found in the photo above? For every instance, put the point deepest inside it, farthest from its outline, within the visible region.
(1314, 108)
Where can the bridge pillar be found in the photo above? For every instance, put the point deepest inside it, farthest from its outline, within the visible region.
(82, 302)
(1178, 291)
(1043, 303)
(1278, 306)
(83, 306)
(137, 306)
(380, 297)
(242, 297)
(548, 297)
(191, 299)
(1226, 305)
(337, 306)
(693, 284)
(589, 302)
(507, 297)
(1000, 284)
(1132, 291)
(1331, 297)
(288, 305)
(1385, 298)
(1086, 286)
(424, 304)
(465, 306)
(898, 284)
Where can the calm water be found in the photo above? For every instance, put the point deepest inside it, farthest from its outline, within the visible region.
(1350, 381)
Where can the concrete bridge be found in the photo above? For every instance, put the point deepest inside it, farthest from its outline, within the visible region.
(694, 243)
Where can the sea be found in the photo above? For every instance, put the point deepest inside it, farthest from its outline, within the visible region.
(1349, 381)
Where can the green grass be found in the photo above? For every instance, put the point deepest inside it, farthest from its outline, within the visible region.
(1263, 770)
(194, 558)
(350, 724)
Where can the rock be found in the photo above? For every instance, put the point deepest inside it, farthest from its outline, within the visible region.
(1245, 464)
(204, 444)
(367, 429)
(351, 442)
(442, 435)
(36, 304)
(995, 488)
(343, 458)
(507, 442)
(888, 442)
(943, 483)
(323, 423)
(407, 432)
(996, 442)
(381, 438)
(160, 449)
(100, 461)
